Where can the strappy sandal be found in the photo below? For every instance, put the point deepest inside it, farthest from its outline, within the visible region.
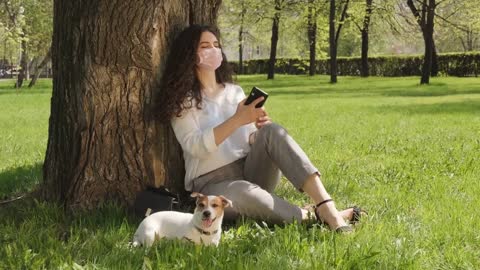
(341, 229)
(358, 213)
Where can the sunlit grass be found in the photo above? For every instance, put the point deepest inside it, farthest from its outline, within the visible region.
(407, 153)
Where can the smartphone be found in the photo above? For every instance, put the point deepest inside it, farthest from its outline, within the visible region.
(254, 94)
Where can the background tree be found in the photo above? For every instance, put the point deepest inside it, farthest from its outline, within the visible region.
(459, 19)
(39, 68)
(107, 61)
(364, 27)
(334, 34)
(274, 39)
(39, 28)
(242, 17)
(364, 72)
(280, 6)
(424, 13)
(312, 34)
(30, 24)
(14, 11)
(8, 45)
(360, 14)
(333, 44)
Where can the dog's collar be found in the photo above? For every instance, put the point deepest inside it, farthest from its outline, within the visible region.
(205, 232)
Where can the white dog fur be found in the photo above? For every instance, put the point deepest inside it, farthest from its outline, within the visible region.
(201, 227)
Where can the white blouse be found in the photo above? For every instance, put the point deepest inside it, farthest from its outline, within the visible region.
(194, 131)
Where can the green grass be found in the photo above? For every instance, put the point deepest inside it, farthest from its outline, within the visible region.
(410, 154)
(23, 134)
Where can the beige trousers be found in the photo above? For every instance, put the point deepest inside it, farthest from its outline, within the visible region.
(249, 182)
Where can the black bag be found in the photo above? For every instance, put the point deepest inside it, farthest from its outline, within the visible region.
(153, 200)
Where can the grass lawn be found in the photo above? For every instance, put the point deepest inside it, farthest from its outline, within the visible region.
(410, 154)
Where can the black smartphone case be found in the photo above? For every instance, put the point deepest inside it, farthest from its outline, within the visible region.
(254, 94)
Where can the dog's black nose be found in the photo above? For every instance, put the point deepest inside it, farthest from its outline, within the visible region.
(207, 214)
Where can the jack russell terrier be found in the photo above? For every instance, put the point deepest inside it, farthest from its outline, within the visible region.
(201, 227)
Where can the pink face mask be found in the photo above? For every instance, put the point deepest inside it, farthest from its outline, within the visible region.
(210, 58)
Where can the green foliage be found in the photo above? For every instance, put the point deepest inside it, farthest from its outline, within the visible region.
(393, 29)
(39, 22)
(451, 64)
(408, 153)
(458, 25)
(29, 20)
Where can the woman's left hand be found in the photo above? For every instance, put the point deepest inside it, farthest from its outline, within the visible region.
(263, 120)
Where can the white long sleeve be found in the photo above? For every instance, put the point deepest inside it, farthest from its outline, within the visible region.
(195, 141)
(194, 131)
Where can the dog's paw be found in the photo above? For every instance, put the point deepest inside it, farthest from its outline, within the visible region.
(133, 244)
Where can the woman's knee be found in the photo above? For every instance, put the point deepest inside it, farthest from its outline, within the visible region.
(272, 129)
(245, 194)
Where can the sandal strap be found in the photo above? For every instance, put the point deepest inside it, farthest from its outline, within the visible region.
(315, 210)
(357, 214)
(320, 203)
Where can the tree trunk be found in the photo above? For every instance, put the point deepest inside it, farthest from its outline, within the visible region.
(33, 65)
(312, 36)
(240, 38)
(240, 50)
(107, 59)
(364, 72)
(342, 20)
(429, 26)
(422, 21)
(274, 42)
(333, 45)
(23, 64)
(39, 68)
(27, 69)
(471, 40)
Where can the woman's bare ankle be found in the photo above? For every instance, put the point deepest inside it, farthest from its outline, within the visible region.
(330, 215)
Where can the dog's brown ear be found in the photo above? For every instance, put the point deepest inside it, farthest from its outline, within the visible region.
(226, 202)
(199, 197)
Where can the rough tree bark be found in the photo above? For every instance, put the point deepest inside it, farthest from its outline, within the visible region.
(107, 58)
(274, 41)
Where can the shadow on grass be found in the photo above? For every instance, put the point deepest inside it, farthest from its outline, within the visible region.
(432, 90)
(34, 212)
(19, 179)
(462, 107)
(36, 216)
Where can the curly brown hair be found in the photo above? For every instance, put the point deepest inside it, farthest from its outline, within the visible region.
(180, 86)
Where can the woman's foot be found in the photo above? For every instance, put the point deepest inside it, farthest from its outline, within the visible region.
(327, 213)
(353, 214)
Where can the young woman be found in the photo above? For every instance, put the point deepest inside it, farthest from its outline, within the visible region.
(232, 149)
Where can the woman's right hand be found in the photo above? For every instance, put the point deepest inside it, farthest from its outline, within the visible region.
(247, 114)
